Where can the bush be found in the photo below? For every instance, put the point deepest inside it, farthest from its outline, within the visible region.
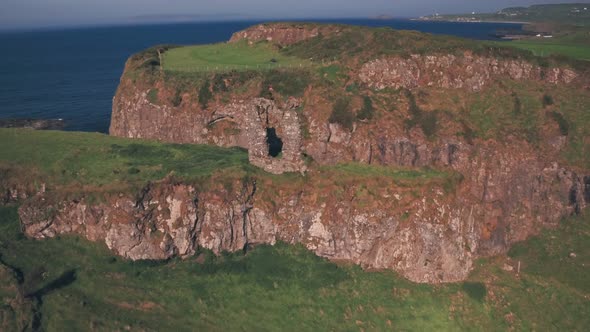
(341, 113)
(468, 133)
(475, 290)
(517, 104)
(148, 59)
(177, 98)
(219, 83)
(427, 121)
(564, 126)
(153, 96)
(547, 100)
(205, 94)
(287, 83)
(367, 111)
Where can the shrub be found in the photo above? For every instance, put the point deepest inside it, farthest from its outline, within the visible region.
(468, 133)
(517, 104)
(367, 111)
(564, 126)
(219, 83)
(205, 94)
(427, 121)
(352, 88)
(475, 290)
(547, 100)
(288, 83)
(341, 113)
(153, 96)
(177, 98)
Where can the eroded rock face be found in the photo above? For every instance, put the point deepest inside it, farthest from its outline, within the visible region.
(134, 116)
(158, 224)
(282, 34)
(510, 190)
(450, 71)
(427, 234)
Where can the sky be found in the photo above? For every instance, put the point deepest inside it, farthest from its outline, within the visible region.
(15, 14)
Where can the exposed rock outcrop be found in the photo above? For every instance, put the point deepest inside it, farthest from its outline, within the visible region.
(135, 117)
(39, 124)
(283, 34)
(425, 232)
(510, 189)
(450, 71)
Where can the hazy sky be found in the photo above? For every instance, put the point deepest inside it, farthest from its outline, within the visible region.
(39, 13)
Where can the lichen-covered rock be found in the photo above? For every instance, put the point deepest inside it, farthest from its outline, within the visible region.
(134, 116)
(283, 34)
(424, 232)
(159, 224)
(457, 72)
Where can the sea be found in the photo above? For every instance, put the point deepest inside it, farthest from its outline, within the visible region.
(72, 74)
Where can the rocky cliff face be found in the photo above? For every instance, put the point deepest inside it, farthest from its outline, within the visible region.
(424, 230)
(449, 71)
(283, 34)
(511, 188)
(244, 123)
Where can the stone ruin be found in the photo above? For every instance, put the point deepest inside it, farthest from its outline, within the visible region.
(273, 134)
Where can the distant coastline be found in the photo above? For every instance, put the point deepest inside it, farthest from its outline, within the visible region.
(420, 19)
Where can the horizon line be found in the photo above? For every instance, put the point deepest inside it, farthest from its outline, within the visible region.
(74, 26)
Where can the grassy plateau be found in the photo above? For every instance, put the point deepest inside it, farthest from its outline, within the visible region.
(100, 160)
(565, 46)
(227, 57)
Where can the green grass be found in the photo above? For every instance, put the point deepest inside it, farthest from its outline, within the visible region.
(97, 159)
(547, 48)
(548, 255)
(288, 288)
(226, 57)
(364, 170)
(517, 112)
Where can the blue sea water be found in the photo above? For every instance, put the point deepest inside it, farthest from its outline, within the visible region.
(73, 74)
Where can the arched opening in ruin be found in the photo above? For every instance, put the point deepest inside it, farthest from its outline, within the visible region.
(275, 144)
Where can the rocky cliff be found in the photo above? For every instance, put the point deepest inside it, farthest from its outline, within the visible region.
(449, 71)
(508, 143)
(428, 230)
(284, 34)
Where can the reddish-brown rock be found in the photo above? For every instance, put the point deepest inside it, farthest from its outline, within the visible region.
(510, 188)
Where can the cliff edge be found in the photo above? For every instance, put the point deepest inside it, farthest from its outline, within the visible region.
(506, 128)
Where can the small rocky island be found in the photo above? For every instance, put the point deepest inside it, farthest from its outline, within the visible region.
(38, 124)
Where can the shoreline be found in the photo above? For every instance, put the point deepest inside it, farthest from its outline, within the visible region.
(455, 21)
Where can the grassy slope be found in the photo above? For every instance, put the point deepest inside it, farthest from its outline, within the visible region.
(287, 288)
(98, 160)
(574, 44)
(226, 57)
(101, 162)
(546, 48)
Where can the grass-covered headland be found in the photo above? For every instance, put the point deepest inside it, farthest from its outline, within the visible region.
(225, 57)
(68, 283)
(74, 285)
(91, 162)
